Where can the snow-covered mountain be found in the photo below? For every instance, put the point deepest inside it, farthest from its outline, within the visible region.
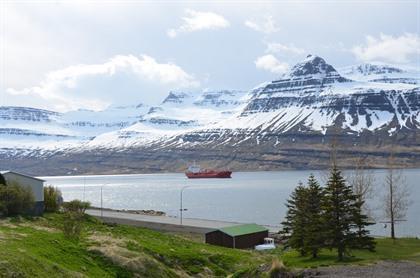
(366, 105)
(28, 129)
(377, 72)
(312, 99)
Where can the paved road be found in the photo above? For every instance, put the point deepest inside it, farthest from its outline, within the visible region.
(162, 222)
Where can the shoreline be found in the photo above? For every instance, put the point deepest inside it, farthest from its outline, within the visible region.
(149, 212)
(182, 173)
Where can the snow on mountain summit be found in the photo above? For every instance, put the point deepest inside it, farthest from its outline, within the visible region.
(177, 97)
(312, 98)
(311, 65)
(308, 101)
(381, 73)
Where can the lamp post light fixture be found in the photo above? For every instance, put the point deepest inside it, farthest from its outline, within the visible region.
(181, 209)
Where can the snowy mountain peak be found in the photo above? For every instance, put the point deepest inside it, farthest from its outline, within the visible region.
(220, 98)
(312, 65)
(366, 102)
(371, 69)
(382, 73)
(176, 97)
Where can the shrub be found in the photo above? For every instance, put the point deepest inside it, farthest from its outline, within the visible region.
(73, 221)
(76, 206)
(279, 270)
(52, 199)
(15, 199)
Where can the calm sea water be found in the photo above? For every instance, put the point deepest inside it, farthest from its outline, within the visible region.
(257, 197)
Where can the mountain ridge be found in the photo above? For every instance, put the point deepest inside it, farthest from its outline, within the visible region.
(306, 107)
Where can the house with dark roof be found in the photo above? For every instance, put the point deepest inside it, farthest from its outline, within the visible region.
(35, 184)
(238, 236)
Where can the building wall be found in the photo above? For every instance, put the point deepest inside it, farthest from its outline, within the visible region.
(38, 209)
(241, 242)
(250, 240)
(219, 238)
(37, 186)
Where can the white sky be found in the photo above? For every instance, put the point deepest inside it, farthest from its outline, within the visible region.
(66, 55)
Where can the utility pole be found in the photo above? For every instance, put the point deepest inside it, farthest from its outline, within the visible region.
(181, 209)
(102, 199)
(84, 188)
(391, 203)
(102, 211)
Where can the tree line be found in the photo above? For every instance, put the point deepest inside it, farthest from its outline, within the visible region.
(337, 216)
(326, 217)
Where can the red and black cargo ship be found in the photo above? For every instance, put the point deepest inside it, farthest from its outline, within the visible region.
(195, 172)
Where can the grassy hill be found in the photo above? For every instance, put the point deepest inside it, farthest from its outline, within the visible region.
(38, 248)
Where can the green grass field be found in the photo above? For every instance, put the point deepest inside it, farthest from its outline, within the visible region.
(38, 248)
(386, 249)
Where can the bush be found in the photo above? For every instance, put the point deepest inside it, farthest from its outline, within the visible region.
(52, 199)
(76, 206)
(278, 269)
(73, 221)
(15, 199)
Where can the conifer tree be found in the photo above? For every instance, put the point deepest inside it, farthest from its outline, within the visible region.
(362, 238)
(344, 220)
(296, 220)
(339, 211)
(314, 236)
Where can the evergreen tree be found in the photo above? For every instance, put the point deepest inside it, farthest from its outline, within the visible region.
(296, 220)
(344, 220)
(303, 224)
(339, 210)
(362, 239)
(314, 236)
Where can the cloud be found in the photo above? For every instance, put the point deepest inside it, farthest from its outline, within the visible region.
(388, 48)
(273, 47)
(266, 26)
(123, 79)
(272, 64)
(198, 21)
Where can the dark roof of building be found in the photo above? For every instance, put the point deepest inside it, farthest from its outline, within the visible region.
(23, 175)
(244, 229)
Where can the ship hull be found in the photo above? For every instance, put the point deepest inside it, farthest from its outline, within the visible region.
(209, 175)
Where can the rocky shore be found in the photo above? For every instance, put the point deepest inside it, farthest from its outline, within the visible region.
(150, 212)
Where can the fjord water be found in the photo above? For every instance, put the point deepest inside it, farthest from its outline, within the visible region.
(257, 197)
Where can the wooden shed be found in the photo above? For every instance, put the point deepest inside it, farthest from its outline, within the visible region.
(238, 236)
(36, 185)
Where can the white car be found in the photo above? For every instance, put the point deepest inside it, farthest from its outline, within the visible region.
(268, 244)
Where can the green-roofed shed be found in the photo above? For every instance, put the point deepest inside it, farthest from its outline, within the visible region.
(238, 236)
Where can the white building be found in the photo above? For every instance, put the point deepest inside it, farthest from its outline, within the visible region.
(35, 184)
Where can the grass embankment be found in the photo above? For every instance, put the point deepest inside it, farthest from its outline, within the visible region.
(38, 248)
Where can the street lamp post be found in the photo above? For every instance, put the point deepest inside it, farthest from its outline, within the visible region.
(102, 212)
(102, 208)
(181, 209)
(84, 188)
